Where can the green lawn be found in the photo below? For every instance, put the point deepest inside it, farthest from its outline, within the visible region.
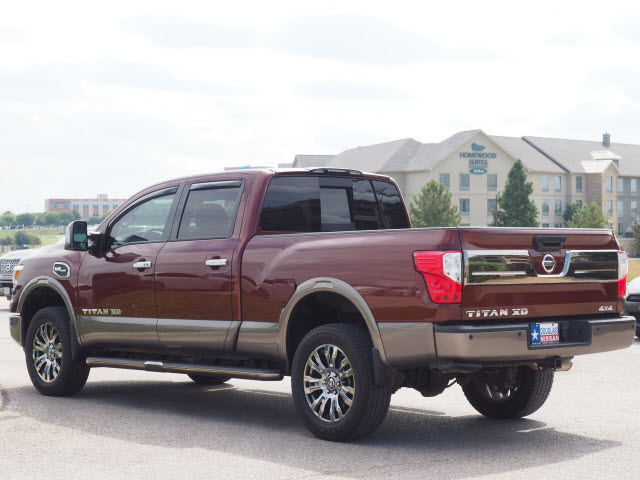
(634, 269)
(47, 235)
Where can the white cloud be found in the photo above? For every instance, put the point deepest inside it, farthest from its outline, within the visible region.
(110, 99)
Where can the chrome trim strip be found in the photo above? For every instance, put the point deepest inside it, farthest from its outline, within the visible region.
(504, 274)
(482, 253)
(216, 262)
(524, 272)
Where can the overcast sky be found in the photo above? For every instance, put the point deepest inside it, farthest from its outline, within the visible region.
(111, 99)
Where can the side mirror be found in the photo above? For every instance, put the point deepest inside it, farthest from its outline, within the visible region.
(76, 236)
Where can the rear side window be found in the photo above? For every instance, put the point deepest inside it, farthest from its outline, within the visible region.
(210, 210)
(393, 211)
(329, 204)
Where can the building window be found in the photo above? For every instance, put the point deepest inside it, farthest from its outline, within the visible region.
(464, 182)
(95, 207)
(85, 206)
(558, 207)
(65, 205)
(578, 184)
(492, 182)
(634, 186)
(491, 206)
(558, 183)
(465, 224)
(558, 225)
(76, 207)
(545, 183)
(55, 205)
(609, 184)
(620, 185)
(545, 225)
(445, 179)
(609, 208)
(620, 229)
(115, 206)
(96, 214)
(619, 208)
(634, 208)
(545, 208)
(465, 207)
(85, 215)
(579, 204)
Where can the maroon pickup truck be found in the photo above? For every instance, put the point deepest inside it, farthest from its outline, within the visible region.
(317, 275)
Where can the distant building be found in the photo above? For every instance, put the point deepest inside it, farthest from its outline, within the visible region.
(86, 207)
(473, 166)
(305, 161)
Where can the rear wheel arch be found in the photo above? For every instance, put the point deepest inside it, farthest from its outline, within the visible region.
(43, 292)
(331, 294)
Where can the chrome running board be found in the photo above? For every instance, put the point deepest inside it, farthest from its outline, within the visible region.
(196, 369)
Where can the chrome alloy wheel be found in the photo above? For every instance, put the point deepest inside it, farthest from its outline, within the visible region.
(329, 384)
(47, 352)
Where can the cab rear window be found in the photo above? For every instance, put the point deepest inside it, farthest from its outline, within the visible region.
(330, 204)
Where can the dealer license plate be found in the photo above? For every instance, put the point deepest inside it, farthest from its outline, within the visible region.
(6, 290)
(544, 333)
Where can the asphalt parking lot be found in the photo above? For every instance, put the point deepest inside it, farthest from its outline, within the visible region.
(127, 424)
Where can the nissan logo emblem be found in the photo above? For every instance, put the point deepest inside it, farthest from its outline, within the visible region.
(548, 263)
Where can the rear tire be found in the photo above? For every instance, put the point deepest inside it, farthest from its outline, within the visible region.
(512, 392)
(208, 379)
(47, 349)
(337, 398)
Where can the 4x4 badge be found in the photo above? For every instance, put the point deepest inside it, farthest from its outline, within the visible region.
(548, 263)
(61, 270)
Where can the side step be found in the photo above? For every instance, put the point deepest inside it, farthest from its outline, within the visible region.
(173, 367)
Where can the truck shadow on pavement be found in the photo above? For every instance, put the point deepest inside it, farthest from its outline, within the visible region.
(262, 424)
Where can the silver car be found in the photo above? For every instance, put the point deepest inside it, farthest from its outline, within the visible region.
(12, 259)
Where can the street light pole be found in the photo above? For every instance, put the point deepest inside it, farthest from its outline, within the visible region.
(495, 211)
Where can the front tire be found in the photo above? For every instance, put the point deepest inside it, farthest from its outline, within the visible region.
(333, 384)
(47, 349)
(511, 392)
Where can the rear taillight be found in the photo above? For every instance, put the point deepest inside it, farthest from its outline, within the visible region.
(623, 270)
(442, 272)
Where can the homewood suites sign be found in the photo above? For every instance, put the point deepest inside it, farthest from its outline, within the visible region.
(478, 159)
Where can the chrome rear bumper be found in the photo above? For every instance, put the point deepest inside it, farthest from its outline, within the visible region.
(511, 342)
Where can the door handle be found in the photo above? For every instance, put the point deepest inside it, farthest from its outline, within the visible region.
(216, 262)
(143, 264)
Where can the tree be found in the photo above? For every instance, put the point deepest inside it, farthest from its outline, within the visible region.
(48, 218)
(98, 220)
(570, 211)
(21, 239)
(26, 219)
(7, 219)
(66, 217)
(589, 216)
(515, 207)
(433, 207)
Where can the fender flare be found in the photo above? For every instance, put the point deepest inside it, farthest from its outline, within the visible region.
(48, 282)
(333, 285)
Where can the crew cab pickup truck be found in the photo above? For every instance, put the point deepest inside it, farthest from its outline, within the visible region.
(317, 275)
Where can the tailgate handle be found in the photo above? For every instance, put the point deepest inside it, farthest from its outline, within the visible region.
(548, 243)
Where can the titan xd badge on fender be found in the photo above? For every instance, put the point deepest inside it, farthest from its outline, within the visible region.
(61, 270)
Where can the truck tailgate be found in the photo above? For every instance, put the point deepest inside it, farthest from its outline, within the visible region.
(532, 273)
